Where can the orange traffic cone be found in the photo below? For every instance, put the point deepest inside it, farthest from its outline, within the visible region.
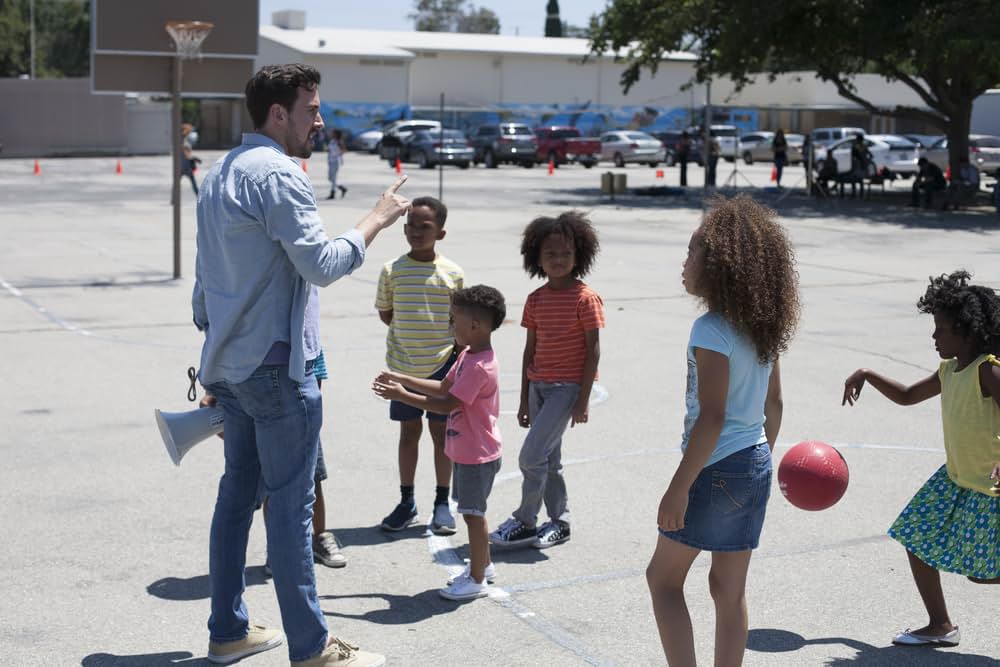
(399, 166)
(38, 168)
(305, 166)
(659, 173)
(118, 167)
(947, 173)
(774, 173)
(552, 166)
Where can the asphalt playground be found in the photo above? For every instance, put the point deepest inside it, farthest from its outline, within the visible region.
(105, 543)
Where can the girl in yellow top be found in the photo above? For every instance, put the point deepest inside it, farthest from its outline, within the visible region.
(952, 524)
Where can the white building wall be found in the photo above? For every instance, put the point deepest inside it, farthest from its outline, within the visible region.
(805, 90)
(362, 79)
(466, 79)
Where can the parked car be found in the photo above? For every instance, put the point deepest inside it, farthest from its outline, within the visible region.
(367, 139)
(826, 136)
(504, 142)
(396, 134)
(923, 141)
(757, 146)
(892, 155)
(727, 136)
(429, 147)
(622, 146)
(984, 152)
(671, 139)
(565, 144)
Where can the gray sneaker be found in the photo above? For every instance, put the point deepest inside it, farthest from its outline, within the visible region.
(326, 550)
(443, 522)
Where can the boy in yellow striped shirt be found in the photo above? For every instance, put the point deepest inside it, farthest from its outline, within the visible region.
(414, 300)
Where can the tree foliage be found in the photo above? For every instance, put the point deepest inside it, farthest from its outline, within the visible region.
(946, 51)
(454, 16)
(62, 38)
(553, 26)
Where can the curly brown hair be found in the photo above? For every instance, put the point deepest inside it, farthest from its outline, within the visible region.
(571, 225)
(749, 274)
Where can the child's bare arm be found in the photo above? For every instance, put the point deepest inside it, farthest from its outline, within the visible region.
(385, 316)
(394, 391)
(523, 418)
(433, 388)
(891, 389)
(713, 387)
(989, 381)
(773, 406)
(581, 410)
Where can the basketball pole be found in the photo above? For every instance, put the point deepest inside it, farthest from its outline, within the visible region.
(175, 127)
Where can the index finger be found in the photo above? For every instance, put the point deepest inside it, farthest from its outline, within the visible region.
(398, 184)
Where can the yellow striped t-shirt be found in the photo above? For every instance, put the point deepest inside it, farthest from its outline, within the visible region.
(420, 338)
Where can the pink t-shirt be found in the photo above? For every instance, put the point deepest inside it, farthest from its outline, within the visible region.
(473, 435)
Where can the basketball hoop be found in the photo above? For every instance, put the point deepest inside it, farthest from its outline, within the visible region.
(188, 36)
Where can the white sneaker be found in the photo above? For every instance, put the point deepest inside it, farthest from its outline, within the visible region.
(464, 588)
(489, 574)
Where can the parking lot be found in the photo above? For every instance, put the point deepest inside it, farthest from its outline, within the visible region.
(105, 541)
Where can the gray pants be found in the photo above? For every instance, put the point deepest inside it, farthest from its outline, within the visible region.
(550, 406)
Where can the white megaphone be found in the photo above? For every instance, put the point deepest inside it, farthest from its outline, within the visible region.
(183, 430)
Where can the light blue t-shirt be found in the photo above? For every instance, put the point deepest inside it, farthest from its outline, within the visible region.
(748, 379)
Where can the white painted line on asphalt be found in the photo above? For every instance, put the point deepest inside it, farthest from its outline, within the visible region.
(42, 310)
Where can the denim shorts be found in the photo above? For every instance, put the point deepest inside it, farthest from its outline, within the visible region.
(401, 412)
(727, 503)
(471, 485)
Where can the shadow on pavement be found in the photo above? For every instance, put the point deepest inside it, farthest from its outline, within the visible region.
(366, 536)
(768, 640)
(143, 660)
(197, 588)
(402, 609)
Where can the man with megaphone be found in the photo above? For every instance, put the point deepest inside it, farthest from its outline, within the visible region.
(261, 249)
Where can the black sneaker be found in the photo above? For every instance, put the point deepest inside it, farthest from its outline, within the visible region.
(400, 518)
(551, 534)
(513, 533)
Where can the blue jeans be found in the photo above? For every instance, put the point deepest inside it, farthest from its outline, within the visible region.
(550, 406)
(272, 433)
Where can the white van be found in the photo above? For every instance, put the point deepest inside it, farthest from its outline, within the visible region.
(824, 136)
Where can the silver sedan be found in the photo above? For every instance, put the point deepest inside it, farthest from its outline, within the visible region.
(622, 146)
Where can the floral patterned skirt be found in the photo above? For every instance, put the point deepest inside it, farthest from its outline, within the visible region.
(951, 528)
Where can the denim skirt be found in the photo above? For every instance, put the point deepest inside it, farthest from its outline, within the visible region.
(727, 503)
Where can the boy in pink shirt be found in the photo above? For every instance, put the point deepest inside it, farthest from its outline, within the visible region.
(470, 395)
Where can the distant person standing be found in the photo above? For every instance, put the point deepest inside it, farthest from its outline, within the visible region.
(189, 163)
(780, 148)
(683, 152)
(712, 161)
(334, 160)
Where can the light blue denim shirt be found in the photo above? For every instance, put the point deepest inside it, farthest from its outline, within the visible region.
(261, 246)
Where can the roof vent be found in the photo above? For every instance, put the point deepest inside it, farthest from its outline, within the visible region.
(289, 19)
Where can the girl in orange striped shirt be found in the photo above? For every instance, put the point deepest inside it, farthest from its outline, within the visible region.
(563, 318)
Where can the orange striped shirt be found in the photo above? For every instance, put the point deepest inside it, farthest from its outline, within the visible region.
(559, 319)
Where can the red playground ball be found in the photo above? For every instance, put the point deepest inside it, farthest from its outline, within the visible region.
(813, 475)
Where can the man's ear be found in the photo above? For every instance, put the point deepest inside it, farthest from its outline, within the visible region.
(278, 113)
(441, 233)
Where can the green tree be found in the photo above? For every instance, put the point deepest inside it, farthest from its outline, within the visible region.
(62, 38)
(947, 51)
(553, 26)
(453, 16)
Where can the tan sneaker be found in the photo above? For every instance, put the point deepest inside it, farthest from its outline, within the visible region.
(258, 639)
(341, 654)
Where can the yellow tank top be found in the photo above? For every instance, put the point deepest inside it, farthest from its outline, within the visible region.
(971, 425)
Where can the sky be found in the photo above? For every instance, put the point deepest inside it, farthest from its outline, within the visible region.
(523, 17)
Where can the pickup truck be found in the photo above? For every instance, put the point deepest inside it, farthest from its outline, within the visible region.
(564, 144)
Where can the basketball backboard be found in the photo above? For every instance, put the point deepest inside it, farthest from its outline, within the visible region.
(131, 51)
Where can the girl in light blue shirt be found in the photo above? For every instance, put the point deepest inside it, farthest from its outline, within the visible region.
(741, 266)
